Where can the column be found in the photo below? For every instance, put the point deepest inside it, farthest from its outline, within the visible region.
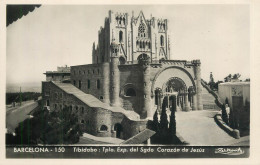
(197, 68)
(194, 102)
(106, 82)
(146, 110)
(186, 106)
(115, 81)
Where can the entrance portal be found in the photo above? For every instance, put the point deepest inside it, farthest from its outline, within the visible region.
(119, 129)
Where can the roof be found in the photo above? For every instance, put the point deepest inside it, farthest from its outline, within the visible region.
(140, 137)
(92, 101)
(57, 72)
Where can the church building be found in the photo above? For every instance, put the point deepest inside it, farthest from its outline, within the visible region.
(131, 73)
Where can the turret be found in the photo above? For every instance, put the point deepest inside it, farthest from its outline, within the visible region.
(144, 63)
(114, 74)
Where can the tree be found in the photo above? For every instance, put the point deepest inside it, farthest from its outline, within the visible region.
(49, 128)
(228, 78)
(172, 125)
(163, 120)
(155, 122)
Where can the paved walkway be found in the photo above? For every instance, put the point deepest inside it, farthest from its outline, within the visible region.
(199, 128)
(18, 114)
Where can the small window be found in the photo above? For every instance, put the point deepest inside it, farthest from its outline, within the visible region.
(130, 92)
(101, 98)
(82, 121)
(88, 71)
(61, 95)
(93, 71)
(47, 102)
(162, 40)
(82, 110)
(98, 84)
(98, 71)
(88, 84)
(60, 106)
(79, 72)
(55, 106)
(74, 82)
(120, 36)
(103, 128)
(56, 95)
(79, 84)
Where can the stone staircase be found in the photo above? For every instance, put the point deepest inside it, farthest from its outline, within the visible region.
(208, 100)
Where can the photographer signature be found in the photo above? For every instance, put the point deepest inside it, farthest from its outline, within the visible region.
(229, 151)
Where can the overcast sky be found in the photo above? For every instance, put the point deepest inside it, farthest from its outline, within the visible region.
(55, 35)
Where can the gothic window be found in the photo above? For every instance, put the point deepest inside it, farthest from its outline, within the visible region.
(88, 84)
(137, 43)
(124, 20)
(141, 44)
(120, 19)
(141, 30)
(149, 45)
(162, 40)
(120, 36)
(98, 84)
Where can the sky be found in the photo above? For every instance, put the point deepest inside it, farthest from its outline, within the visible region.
(58, 35)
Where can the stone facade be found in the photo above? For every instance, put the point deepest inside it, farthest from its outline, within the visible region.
(135, 35)
(131, 63)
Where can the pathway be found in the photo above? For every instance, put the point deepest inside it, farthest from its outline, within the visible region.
(199, 128)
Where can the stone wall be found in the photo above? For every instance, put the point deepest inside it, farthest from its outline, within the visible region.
(227, 90)
(91, 119)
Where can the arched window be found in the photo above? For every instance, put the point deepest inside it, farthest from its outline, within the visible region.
(130, 92)
(88, 84)
(162, 40)
(121, 60)
(98, 84)
(137, 43)
(141, 28)
(124, 20)
(120, 36)
(103, 128)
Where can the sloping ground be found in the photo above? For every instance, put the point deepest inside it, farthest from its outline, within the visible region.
(18, 114)
(93, 102)
(198, 128)
(90, 139)
(208, 100)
